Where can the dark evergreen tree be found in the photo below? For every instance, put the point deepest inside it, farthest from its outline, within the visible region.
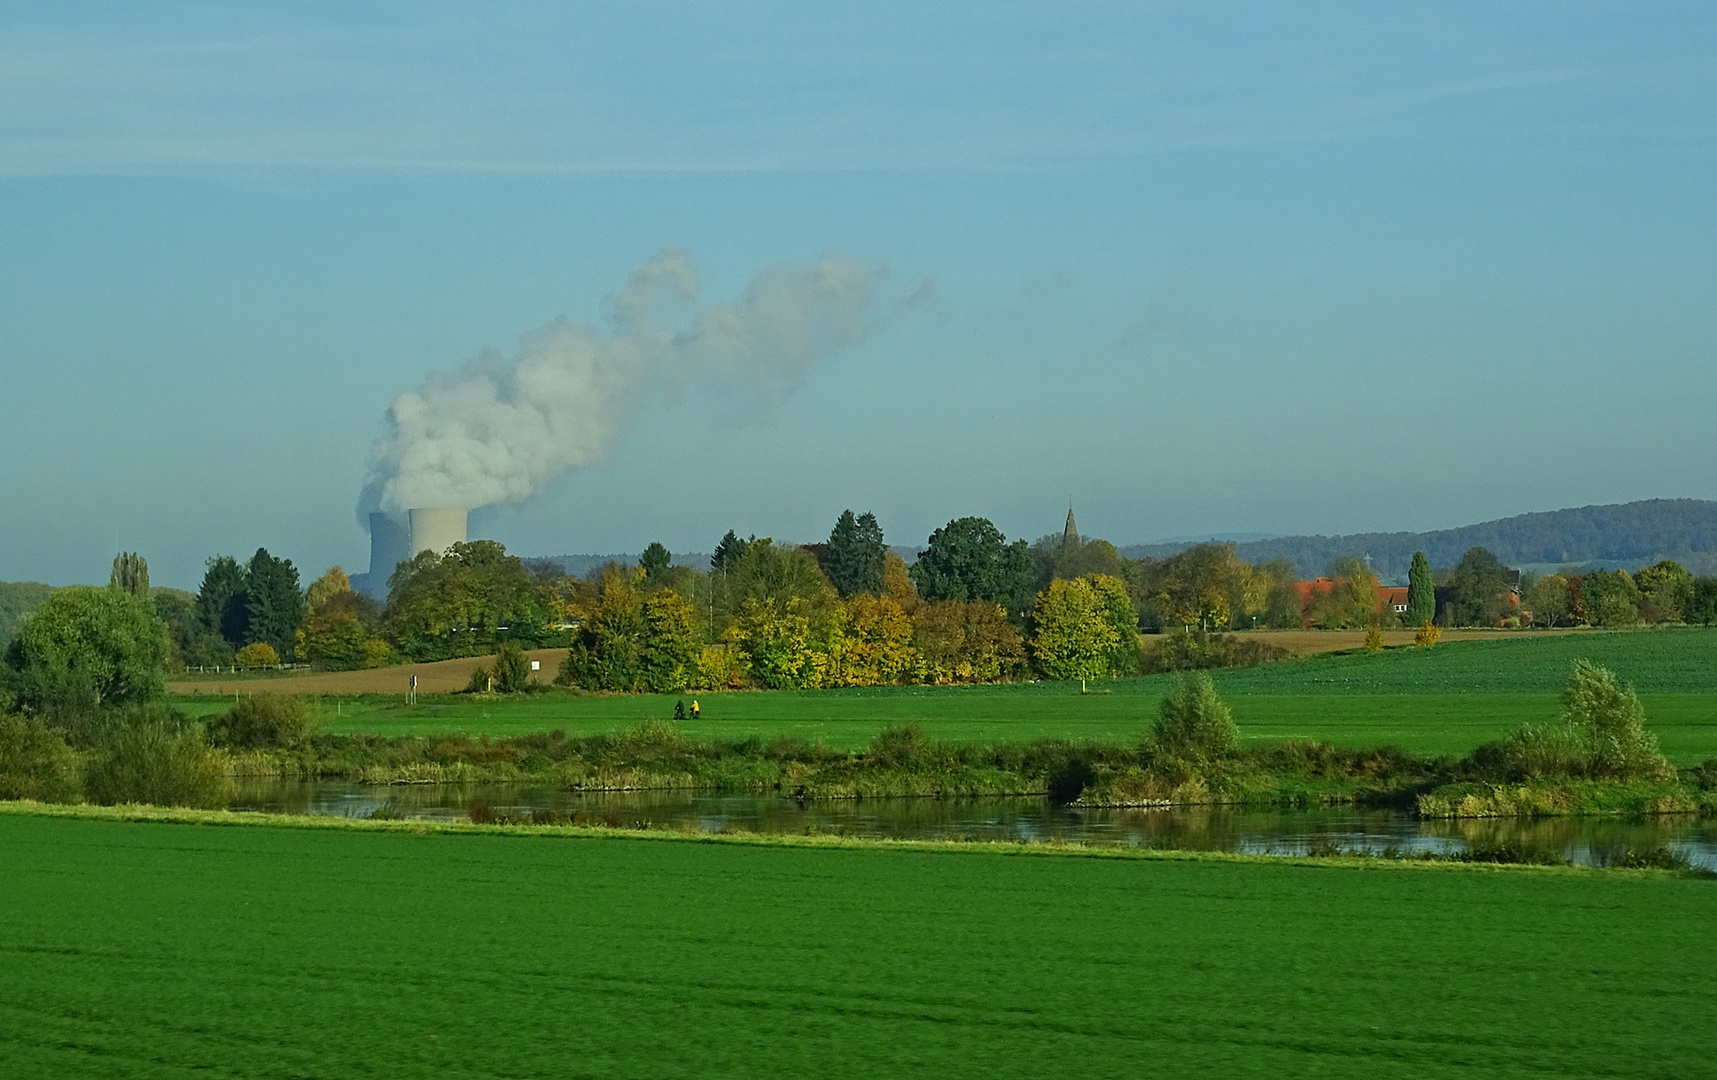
(1421, 593)
(856, 555)
(728, 551)
(221, 602)
(656, 559)
(969, 559)
(274, 605)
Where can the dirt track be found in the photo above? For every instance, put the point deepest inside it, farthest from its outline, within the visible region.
(441, 677)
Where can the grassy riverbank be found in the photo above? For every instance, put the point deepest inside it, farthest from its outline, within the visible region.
(171, 950)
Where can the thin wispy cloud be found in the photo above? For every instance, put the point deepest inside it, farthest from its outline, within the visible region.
(749, 88)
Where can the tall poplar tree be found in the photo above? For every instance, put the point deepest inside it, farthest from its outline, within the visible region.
(131, 573)
(1421, 593)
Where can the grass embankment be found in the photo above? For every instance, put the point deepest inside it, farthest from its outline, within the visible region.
(1441, 701)
(177, 951)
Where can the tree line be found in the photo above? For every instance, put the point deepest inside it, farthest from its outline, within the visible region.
(974, 607)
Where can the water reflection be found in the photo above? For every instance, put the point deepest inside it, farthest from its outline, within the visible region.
(1593, 841)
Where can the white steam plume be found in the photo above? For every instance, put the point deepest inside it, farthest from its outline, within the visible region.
(495, 432)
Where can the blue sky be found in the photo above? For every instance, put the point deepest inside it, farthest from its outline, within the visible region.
(1200, 267)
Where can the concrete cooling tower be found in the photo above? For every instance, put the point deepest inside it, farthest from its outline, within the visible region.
(437, 528)
(390, 545)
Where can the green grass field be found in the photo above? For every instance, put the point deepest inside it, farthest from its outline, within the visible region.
(1445, 700)
(135, 950)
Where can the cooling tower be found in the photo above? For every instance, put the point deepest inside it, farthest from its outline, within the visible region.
(390, 545)
(437, 528)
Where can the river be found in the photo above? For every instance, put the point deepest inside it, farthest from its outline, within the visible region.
(1591, 841)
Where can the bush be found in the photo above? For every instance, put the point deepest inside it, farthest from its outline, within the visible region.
(35, 763)
(1428, 635)
(1373, 638)
(1608, 713)
(510, 674)
(257, 654)
(1602, 737)
(899, 745)
(263, 722)
(1534, 752)
(1193, 722)
(153, 757)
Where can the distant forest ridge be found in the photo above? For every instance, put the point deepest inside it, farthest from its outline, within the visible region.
(1622, 534)
(580, 565)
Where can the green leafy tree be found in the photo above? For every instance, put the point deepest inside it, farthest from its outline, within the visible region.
(1548, 600)
(1206, 586)
(607, 650)
(1193, 722)
(869, 643)
(178, 609)
(1421, 592)
(1059, 556)
(970, 559)
(274, 606)
(338, 632)
(329, 585)
(669, 650)
(1702, 607)
(656, 560)
(1479, 588)
(86, 647)
(856, 555)
(221, 599)
(1352, 600)
(467, 601)
(1611, 598)
(1122, 617)
(776, 640)
(766, 572)
(961, 641)
(1666, 591)
(131, 573)
(1607, 713)
(1073, 633)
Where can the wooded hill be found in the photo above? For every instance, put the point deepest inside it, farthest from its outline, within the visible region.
(17, 599)
(1622, 534)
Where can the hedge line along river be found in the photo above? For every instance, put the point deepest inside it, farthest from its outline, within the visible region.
(1591, 841)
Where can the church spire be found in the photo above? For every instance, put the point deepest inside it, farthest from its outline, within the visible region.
(1070, 535)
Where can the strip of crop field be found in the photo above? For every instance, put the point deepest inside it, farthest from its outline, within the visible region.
(174, 950)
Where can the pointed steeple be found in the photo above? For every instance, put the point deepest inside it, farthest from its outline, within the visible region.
(1070, 535)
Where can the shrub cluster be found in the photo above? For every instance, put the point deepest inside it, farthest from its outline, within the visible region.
(1602, 736)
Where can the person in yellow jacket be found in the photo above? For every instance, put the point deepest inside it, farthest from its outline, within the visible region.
(694, 708)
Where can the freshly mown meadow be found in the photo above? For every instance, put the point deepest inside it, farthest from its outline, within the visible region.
(162, 950)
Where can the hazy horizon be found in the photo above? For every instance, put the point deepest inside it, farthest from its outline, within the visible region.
(1279, 269)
